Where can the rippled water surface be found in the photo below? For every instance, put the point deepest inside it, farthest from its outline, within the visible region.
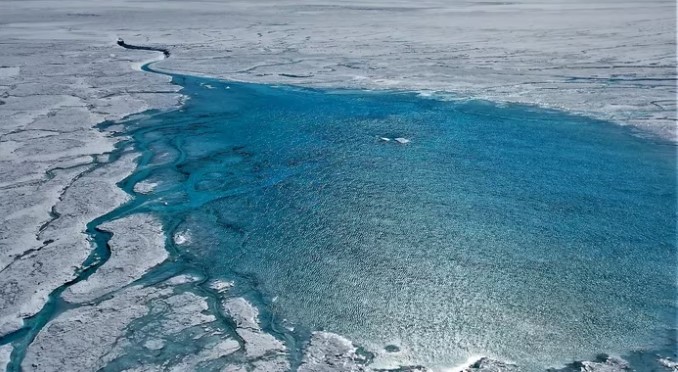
(522, 234)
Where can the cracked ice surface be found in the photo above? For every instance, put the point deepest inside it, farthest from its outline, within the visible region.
(93, 336)
(28, 277)
(53, 90)
(156, 328)
(5, 351)
(60, 74)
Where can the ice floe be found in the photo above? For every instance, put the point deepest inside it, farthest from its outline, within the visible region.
(182, 237)
(670, 364)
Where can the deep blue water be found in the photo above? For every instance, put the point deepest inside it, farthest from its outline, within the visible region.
(509, 231)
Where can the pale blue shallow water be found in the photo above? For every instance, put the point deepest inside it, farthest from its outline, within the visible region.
(527, 235)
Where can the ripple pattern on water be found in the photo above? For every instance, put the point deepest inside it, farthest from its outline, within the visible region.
(449, 229)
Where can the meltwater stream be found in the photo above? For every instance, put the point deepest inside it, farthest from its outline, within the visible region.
(435, 230)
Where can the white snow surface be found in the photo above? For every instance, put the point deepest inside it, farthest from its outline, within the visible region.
(609, 59)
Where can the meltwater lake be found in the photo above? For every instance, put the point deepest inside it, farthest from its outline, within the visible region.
(426, 231)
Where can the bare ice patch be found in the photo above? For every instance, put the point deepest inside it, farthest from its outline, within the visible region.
(6, 72)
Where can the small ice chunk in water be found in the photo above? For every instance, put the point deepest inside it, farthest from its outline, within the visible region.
(182, 237)
(145, 187)
(400, 140)
(182, 279)
(155, 344)
(221, 285)
(668, 363)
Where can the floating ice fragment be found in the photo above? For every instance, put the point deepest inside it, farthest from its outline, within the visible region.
(182, 237)
(402, 140)
(145, 187)
(182, 279)
(287, 326)
(385, 139)
(668, 363)
(155, 344)
(221, 286)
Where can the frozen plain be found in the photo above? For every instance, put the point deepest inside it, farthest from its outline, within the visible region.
(61, 73)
